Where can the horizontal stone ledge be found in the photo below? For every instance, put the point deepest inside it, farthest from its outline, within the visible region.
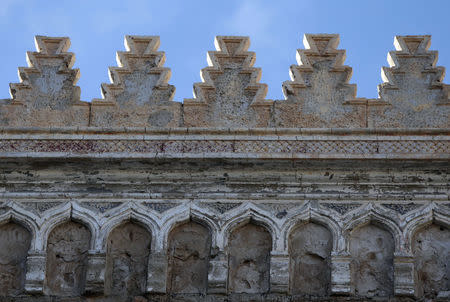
(286, 156)
(55, 145)
(228, 131)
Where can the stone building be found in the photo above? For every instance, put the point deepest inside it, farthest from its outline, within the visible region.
(227, 196)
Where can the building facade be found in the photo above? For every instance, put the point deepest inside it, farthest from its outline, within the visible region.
(227, 196)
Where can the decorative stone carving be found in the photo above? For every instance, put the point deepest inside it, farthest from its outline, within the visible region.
(413, 94)
(128, 249)
(288, 146)
(341, 208)
(67, 259)
(189, 253)
(401, 207)
(139, 95)
(230, 94)
(280, 210)
(160, 207)
(372, 264)
(310, 251)
(40, 207)
(319, 94)
(431, 248)
(14, 244)
(249, 259)
(100, 207)
(222, 207)
(47, 95)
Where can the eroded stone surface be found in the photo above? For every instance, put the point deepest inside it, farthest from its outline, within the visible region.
(14, 244)
(230, 95)
(249, 259)
(372, 251)
(319, 94)
(431, 248)
(310, 251)
(128, 250)
(413, 94)
(47, 95)
(139, 95)
(189, 253)
(67, 258)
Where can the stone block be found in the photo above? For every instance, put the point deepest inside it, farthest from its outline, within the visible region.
(157, 273)
(340, 275)
(34, 279)
(95, 275)
(218, 274)
(279, 273)
(404, 276)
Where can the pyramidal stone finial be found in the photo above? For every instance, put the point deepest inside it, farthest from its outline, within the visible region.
(139, 94)
(413, 94)
(319, 94)
(230, 94)
(46, 95)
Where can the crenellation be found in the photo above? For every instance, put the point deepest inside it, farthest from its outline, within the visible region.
(413, 94)
(230, 94)
(139, 94)
(319, 94)
(46, 95)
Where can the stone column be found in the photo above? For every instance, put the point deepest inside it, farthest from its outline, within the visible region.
(157, 273)
(34, 279)
(218, 274)
(340, 274)
(95, 275)
(404, 275)
(279, 272)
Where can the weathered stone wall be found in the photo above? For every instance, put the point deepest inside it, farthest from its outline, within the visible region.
(310, 257)
(431, 248)
(127, 253)
(114, 201)
(67, 260)
(249, 260)
(372, 264)
(15, 243)
(188, 259)
(288, 228)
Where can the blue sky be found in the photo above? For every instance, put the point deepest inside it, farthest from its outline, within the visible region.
(187, 30)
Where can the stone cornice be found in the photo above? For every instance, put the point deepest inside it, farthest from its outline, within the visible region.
(239, 143)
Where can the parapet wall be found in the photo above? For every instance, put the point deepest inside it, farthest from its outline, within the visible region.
(318, 95)
(227, 196)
